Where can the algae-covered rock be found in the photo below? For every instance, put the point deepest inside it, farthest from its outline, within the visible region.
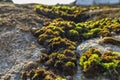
(40, 74)
(110, 60)
(73, 35)
(65, 12)
(111, 40)
(93, 60)
(69, 68)
(64, 62)
(60, 38)
(58, 43)
(89, 59)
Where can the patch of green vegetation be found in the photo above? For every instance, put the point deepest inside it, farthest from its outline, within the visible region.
(61, 79)
(103, 27)
(60, 38)
(93, 60)
(57, 11)
(111, 40)
(40, 74)
(71, 13)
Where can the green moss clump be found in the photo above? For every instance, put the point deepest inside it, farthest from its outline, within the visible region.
(93, 60)
(87, 35)
(90, 58)
(103, 27)
(69, 68)
(73, 13)
(60, 38)
(73, 35)
(70, 64)
(69, 53)
(66, 12)
(40, 74)
(111, 40)
(60, 43)
(61, 79)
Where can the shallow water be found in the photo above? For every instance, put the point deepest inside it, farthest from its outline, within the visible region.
(94, 43)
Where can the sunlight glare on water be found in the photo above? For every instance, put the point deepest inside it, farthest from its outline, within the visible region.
(50, 2)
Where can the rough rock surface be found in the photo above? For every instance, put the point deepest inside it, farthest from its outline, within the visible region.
(17, 45)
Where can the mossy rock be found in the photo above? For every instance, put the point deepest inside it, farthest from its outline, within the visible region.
(90, 58)
(87, 35)
(95, 62)
(60, 38)
(111, 40)
(58, 43)
(40, 74)
(69, 68)
(69, 53)
(73, 35)
(61, 62)
(66, 12)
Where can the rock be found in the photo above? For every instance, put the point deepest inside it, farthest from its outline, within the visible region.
(100, 44)
(16, 40)
(36, 56)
